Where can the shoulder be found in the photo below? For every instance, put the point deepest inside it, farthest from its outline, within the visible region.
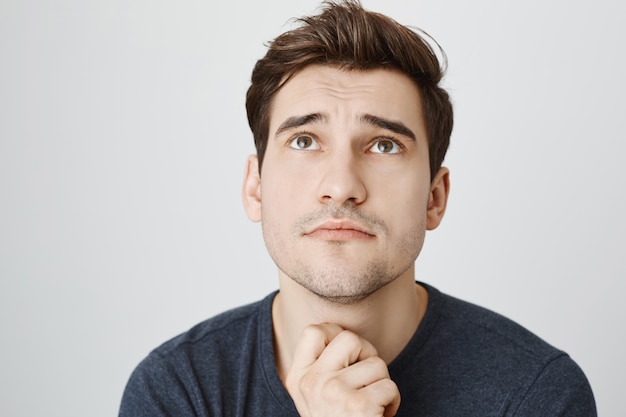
(500, 365)
(182, 372)
(217, 330)
(466, 321)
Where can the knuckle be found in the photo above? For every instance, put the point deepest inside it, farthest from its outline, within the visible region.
(357, 405)
(313, 331)
(348, 338)
(307, 384)
(377, 362)
(333, 389)
(355, 343)
(390, 386)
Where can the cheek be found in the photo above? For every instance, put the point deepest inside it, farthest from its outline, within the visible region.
(291, 180)
(280, 197)
(406, 194)
(406, 212)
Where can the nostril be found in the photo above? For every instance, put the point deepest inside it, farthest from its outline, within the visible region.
(341, 183)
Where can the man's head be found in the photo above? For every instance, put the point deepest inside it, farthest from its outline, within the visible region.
(350, 180)
(348, 37)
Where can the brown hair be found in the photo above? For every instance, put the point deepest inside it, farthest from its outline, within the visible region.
(347, 36)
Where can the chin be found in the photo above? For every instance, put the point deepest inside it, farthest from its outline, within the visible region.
(344, 300)
(343, 287)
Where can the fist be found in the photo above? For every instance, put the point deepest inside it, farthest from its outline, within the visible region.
(335, 372)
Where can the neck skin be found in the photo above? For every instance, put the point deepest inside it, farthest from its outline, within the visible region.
(388, 318)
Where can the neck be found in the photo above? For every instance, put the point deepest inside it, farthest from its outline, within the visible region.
(387, 318)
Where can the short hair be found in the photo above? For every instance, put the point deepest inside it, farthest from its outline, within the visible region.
(346, 36)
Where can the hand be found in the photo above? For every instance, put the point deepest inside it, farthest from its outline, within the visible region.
(337, 373)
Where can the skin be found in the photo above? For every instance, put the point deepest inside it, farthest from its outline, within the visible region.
(345, 199)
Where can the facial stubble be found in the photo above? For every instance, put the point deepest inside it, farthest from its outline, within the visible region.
(344, 278)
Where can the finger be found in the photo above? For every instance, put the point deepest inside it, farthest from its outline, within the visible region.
(383, 393)
(343, 350)
(312, 342)
(364, 373)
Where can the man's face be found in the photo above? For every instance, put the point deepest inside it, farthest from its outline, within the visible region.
(344, 193)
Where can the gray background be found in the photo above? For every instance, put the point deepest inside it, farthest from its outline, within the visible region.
(122, 143)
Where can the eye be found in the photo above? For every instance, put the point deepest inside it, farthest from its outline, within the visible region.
(304, 142)
(385, 146)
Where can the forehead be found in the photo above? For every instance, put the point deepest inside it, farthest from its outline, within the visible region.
(344, 95)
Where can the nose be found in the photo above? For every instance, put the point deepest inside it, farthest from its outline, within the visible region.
(341, 182)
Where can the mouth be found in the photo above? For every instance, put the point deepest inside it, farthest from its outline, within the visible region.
(339, 230)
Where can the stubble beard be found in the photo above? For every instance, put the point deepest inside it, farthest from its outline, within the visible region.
(351, 282)
(343, 286)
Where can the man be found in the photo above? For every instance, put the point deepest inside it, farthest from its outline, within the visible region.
(351, 129)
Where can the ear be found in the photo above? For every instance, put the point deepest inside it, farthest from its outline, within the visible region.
(438, 198)
(251, 189)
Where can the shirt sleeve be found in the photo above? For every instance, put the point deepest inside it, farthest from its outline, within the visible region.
(561, 389)
(154, 389)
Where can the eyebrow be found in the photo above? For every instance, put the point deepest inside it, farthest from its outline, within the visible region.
(298, 121)
(393, 126)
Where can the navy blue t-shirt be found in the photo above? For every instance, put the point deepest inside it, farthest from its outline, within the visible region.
(463, 360)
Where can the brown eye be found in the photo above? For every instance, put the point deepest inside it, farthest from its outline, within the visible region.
(304, 142)
(385, 146)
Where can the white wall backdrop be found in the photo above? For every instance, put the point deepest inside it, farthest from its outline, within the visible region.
(122, 142)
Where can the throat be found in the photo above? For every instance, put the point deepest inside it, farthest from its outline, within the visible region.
(387, 319)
